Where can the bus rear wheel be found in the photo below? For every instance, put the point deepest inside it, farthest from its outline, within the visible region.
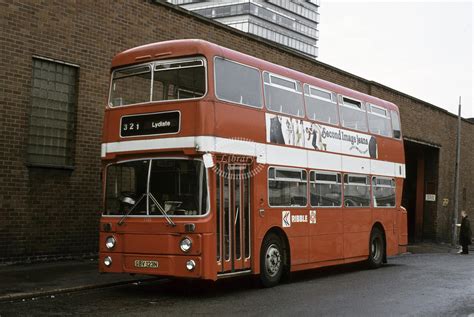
(271, 260)
(376, 249)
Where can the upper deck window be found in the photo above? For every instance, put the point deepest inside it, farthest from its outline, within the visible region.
(130, 86)
(237, 83)
(179, 80)
(353, 115)
(397, 133)
(283, 95)
(170, 80)
(379, 120)
(321, 105)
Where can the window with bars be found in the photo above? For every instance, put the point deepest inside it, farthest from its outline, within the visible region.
(52, 116)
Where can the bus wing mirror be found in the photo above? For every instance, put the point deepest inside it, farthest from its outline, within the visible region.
(208, 160)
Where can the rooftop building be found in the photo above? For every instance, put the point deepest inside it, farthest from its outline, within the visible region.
(292, 23)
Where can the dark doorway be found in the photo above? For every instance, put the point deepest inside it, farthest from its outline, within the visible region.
(420, 190)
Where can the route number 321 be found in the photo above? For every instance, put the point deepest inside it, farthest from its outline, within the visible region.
(130, 126)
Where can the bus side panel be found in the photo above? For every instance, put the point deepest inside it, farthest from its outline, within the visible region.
(402, 231)
(239, 122)
(387, 218)
(357, 226)
(297, 234)
(327, 240)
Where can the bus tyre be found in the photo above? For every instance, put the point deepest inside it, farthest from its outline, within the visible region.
(376, 249)
(271, 260)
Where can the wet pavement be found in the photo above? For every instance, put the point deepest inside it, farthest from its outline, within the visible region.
(40, 279)
(427, 284)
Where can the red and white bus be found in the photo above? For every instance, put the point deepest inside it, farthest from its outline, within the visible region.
(219, 164)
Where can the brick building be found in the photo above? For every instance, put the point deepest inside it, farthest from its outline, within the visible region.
(50, 192)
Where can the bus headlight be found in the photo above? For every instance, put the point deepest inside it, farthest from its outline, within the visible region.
(185, 244)
(107, 261)
(190, 265)
(110, 242)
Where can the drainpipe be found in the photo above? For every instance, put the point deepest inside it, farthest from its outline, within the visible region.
(456, 178)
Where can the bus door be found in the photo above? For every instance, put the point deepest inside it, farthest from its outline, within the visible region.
(233, 217)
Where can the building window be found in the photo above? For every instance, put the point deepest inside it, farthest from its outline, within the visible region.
(53, 111)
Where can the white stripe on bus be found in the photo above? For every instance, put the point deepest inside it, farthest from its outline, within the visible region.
(265, 153)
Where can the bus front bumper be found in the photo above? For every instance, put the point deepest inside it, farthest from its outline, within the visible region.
(147, 264)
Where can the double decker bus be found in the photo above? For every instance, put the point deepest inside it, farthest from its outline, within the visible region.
(217, 164)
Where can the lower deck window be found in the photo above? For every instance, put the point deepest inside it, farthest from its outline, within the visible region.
(383, 191)
(287, 187)
(356, 191)
(325, 189)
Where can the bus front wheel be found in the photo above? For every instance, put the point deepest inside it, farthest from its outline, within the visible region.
(271, 260)
(376, 249)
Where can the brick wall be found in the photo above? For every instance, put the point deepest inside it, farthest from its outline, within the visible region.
(53, 213)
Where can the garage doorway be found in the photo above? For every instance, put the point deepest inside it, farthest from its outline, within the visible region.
(420, 190)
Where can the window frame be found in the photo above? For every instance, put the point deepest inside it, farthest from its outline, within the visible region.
(262, 97)
(290, 169)
(397, 113)
(362, 104)
(72, 154)
(152, 65)
(150, 68)
(369, 107)
(351, 107)
(296, 82)
(373, 177)
(335, 102)
(341, 184)
(368, 183)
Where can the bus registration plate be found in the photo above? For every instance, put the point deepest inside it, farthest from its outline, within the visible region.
(146, 264)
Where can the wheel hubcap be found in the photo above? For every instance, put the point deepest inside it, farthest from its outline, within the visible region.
(272, 260)
(375, 249)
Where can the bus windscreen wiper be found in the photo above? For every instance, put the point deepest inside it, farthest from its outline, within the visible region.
(131, 209)
(162, 210)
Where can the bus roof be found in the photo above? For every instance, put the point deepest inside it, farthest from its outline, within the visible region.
(189, 47)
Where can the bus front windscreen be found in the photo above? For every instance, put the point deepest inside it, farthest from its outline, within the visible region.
(175, 187)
